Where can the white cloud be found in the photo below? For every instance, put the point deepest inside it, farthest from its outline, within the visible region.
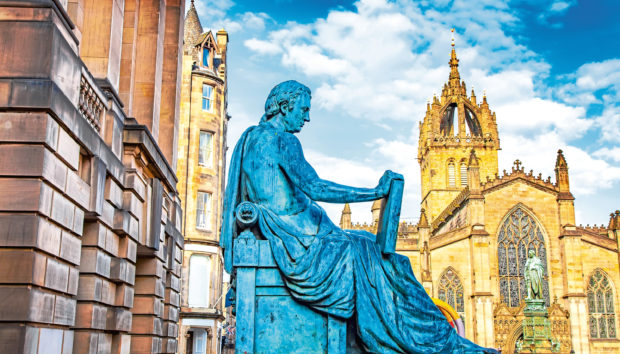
(609, 124)
(612, 154)
(211, 10)
(600, 79)
(557, 8)
(381, 62)
(262, 47)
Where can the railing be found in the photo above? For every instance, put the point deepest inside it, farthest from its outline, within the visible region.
(91, 105)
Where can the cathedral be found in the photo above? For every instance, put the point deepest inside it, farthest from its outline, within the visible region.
(476, 227)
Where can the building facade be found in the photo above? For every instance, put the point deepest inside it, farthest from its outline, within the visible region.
(90, 217)
(201, 171)
(476, 227)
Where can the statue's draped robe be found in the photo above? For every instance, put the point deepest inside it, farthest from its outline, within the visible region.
(535, 271)
(344, 274)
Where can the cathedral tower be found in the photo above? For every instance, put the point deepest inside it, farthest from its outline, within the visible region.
(454, 125)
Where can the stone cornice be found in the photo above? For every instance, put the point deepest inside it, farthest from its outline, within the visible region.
(137, 134)
(449, 237)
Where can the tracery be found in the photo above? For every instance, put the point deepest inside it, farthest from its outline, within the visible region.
(517, 235)
(450, 290)
(601, 312)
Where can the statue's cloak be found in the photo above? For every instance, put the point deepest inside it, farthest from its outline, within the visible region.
(535, 272)
(343, 273)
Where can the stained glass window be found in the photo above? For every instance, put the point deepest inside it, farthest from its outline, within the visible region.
(451, 290)
(601, 312)
(517, 235)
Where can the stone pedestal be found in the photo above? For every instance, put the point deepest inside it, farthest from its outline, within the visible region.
(537, 329)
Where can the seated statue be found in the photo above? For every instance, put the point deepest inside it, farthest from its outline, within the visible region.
(342, 273)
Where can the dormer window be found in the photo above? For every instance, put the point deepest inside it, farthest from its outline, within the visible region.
(205, 57)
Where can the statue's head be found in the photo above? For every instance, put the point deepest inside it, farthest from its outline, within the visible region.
(289, 100)
(531, 254)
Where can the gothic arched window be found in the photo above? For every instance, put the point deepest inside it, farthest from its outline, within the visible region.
(601, 313)
(463, 174)
(451, 290)
(451, 175)
(518, 234)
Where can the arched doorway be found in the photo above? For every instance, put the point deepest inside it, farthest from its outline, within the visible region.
(516, 335)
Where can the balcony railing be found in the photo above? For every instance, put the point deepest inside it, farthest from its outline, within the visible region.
(91, 104)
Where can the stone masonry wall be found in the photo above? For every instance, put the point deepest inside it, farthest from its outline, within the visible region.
(90, 247)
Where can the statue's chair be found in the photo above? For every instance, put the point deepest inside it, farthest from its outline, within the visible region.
(268, 319)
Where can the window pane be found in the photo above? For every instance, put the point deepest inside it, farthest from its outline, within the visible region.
(207, 93)
(205, 57)
(199, 278)
(205, 152)
(203, 211)
(463, 175)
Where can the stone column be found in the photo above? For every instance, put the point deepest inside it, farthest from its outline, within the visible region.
(102, 31)
(147, 76)
(171, 79)
(128, 54)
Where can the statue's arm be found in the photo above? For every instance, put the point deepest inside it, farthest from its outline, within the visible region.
(303, 175)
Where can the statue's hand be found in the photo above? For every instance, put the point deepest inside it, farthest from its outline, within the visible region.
(383, 188)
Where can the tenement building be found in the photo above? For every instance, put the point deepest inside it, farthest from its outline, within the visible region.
(476, 227)
(202, 151)
(90, 217)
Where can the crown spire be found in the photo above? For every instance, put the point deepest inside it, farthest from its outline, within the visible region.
(454, 63)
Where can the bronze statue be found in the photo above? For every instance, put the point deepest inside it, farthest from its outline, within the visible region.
(534, 271)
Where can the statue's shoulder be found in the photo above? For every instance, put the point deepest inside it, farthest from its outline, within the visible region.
(270, 136)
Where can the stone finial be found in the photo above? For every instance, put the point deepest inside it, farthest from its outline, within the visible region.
(560, 162)
(454, 65)
(423, 220)
(517, 165)
(345, 217)
(473, 159)
(561, 173)
(347, 209)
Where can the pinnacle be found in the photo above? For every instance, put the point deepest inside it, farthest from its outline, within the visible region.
(193, 28)
(347, 209)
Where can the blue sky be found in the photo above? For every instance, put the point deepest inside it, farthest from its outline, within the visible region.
(550, 69)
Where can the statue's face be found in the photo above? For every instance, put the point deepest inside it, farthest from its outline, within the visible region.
(531, 253)
(298, 115)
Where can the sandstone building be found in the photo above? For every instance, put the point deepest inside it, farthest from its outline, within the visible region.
(90, 216)
(476, 226)
(201, 170)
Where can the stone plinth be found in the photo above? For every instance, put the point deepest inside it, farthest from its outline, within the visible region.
(537, 329)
